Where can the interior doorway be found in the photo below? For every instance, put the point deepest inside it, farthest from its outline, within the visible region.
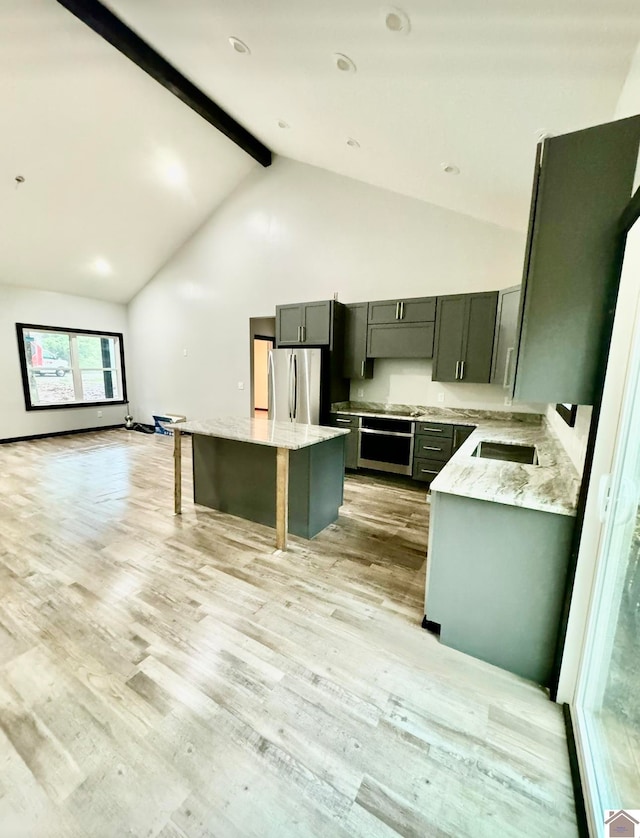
(261, 347)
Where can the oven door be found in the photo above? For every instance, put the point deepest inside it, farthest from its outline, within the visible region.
(386, 445)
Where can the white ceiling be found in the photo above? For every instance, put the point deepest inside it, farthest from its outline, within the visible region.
(472, 84)
(116, 168)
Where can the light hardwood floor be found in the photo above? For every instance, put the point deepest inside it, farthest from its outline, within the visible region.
(174, 676)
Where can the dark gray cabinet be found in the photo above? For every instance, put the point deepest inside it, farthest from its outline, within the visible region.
(401, 328)
(464, 333)
(337, 420)
(582, 183)
(434, 445)
(302, 324)
(506, 337)
(356, 363)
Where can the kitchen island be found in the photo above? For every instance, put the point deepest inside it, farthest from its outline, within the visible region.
(285, 475)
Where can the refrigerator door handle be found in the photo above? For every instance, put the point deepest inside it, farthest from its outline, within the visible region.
(271, 387)
(295, 386)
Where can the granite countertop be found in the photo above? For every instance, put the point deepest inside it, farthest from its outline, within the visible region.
(550, 486)
(262, 431)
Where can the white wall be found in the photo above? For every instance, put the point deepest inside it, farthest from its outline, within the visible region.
(292, 233)
(20, 305)
(574, 440)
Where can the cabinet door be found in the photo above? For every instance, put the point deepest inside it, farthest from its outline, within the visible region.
(478, 338)
(461, 433)
(506, 336)
(356, 364)
(418, 310)
(400, 340)
(316, 321)
(288, 323)
(450, 328)
(386, 311)
(572, 261)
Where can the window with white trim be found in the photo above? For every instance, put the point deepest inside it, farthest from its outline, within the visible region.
(70, 368)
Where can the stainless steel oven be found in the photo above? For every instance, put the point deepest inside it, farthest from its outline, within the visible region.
(386, 444)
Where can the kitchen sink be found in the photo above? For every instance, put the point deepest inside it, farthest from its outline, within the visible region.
(508, 452)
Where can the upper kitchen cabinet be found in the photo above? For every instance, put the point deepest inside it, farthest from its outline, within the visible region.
(582, 183)
(465, 326)
(401, 328)
(506, 337)
(305, 324)
(356, 364)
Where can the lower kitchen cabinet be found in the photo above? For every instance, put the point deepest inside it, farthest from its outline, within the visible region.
(434, 445)
(495, 581)
(337, 420)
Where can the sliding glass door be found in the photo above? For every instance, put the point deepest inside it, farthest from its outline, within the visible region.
(607, 706)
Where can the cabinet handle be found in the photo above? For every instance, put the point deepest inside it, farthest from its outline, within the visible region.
(457, 370)
(304, 333)
(299, 334)
(397, 311)
(431, 448)
(507, 362)
(402, 311)
(461, 370)
(348, 421)
(427, 429)
(362, 370)
(429, 471)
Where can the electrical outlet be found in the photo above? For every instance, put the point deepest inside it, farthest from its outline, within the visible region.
(507, 401)
(240, 385)
(441, 396)
(99, 414)
(185, 352)
(360, 392)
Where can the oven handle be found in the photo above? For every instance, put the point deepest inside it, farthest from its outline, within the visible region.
(385, 433)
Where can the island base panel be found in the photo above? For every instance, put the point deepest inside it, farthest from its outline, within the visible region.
(239, 478)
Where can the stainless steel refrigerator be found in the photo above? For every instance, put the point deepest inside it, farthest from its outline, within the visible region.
(295, 385)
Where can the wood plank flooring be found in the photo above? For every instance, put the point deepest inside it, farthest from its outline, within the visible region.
(177, 677)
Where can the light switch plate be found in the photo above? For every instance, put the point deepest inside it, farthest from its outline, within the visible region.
(240, 385)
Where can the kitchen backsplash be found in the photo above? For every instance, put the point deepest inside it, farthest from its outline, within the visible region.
(407, 381)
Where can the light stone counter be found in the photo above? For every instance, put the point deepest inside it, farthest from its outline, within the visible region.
(262, 431)
(551, 486)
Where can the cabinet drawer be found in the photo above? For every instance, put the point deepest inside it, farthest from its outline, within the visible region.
(434, 428)
(433, 447)
(339, 421)
(425, 470)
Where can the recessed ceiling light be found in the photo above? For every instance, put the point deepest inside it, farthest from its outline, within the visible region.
(343, 63)
(101, 266)
(239, 46)
(353, 143)
(397, 21)
(170, 168)
(450, 169)
(283, 124)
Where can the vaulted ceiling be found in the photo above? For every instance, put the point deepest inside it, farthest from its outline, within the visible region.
(118, 172)
(472, 84)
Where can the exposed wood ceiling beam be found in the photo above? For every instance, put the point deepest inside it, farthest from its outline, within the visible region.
(109, 26)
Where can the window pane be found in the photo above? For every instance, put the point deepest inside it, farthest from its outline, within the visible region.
(99, 386)
(48, 367)
(96, 352)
